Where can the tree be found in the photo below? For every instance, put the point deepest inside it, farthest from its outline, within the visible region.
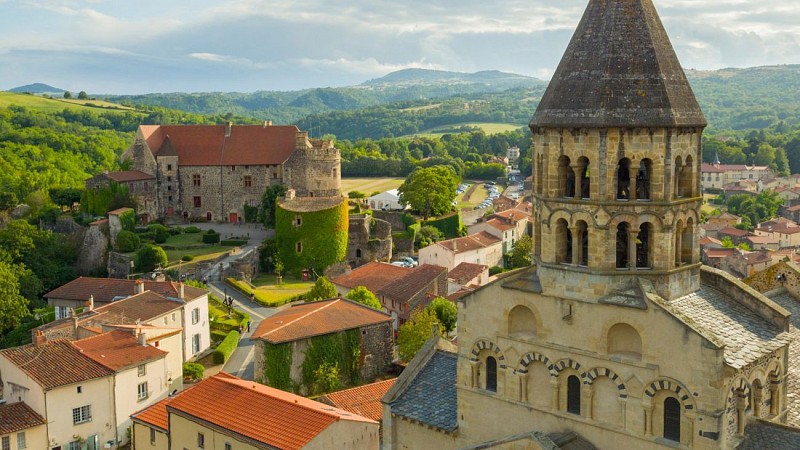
(8, 200)
(521, 254)
(427, 235)
(67, 94)
(430, 190)
(65, 197)
(364, 296)
(13, 306)
(127, 241)
(83, 95)
(323, 289)
(727, 242)
(446, 313)
(149, 257)
(267, 213)
(414, 333)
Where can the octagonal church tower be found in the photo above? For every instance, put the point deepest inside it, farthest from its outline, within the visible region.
(616, 160)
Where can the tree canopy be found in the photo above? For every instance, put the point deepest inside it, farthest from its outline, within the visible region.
(446, 312)
(521, 254)
(757, 209)
(414, 333)
(364, 296)
(430, 190)
(322, 290)
(266, 213)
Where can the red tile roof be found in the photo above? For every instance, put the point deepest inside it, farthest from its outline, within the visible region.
(363, 400)
(419, 279)
(373, 276)
(118, 350)
(735, 232)
(156, 415)
(105, 290)
(129, 175)
(119, 211)
(465, 272)
(206, 145)
(55, 363)
(469, 243)
(254, 411)
(18, 417)
(500, 224)
(317, 318)
(513, 214)
(709, 241)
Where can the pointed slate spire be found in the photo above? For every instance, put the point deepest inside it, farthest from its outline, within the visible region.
(716, 159)
(619, 70)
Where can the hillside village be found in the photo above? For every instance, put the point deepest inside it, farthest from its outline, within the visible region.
(607, 284)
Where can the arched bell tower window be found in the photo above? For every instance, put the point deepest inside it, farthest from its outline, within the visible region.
(566, 178)
(672, 419)
(539, 174)
(582, 239)
(624, 179)
(678, 177)
(574, 395)
(686, 188)
(563, 242)
(491, 374)
(644, 242)
(585, 178)
(687, 241)
(643, 179)
(623, 250)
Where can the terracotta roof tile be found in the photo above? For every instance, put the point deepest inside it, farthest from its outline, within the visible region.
(17, 417)
(500, 224)
(118, 350)
(363, 400)
(206, 145)
(373, 276)
(156, 414)
(718, 252)
(513, 214)
(317, 318)
(730, 231)
(261, 413)
(119, 211)
(405, 288)
(465, 272)
(469, 243)
(129, 175)
(105, 290)
(39, 363)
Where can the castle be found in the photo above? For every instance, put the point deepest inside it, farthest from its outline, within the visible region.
(617, 336)
(211, 172)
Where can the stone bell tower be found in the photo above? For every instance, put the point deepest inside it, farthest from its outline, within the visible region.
(616, 161)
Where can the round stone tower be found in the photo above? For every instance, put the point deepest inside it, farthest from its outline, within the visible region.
(616, 160)
(314, 168)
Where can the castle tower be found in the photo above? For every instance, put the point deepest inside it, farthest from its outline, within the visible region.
(617, 151)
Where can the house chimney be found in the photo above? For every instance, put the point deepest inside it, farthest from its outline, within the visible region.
(267, 123)
(90, 303)
(39, 339)
(180, 290)
(453, 244)
(228, 129)
(139, 287)
(141, 338)
(75, 324)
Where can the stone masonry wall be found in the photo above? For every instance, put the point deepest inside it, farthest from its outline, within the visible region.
(377, 342)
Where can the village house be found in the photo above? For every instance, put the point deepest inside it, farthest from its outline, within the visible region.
(509, 225)
(362, 400)
(792, 213)
(785, 231)
(742, 263)
(87, 389)
(713, 256)
(141, 186)
(503, 203)
(224, 412)
(478, 248)
(756, 242)
(716, 176)
(467, 275)
(742, 187)
(726, 218)
(736, 235)
(110, 301)
(21, 427)
(299, 325)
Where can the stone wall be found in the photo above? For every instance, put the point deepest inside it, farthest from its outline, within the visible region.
(93, 249)
(119, 265)
(246, 266)
(314, 168)
(368, 240)
(377, 343)
(394, 218)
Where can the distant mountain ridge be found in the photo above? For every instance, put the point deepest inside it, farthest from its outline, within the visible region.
(424, 76)
(37, 88)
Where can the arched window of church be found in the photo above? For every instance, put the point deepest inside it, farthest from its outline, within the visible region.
(687, 190)
(583, 240)
(643, 179)
(678, 176)
(672, 419)
(566, 178)
(687, 241)
(644, 243)
(624, 179)
(563, 242)
(540, 174)
(491, 374)
(622, 246)
(521, 322)
(624, 340)
(574, 395)
(583, 166)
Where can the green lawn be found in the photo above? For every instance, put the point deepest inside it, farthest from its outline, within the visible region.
(56, 105)
(370, 185)
(220, 322)
(480, 194)
(488, 127)
(270, 294)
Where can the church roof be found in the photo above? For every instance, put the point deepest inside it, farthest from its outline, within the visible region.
(763, 435)
(791, 304)
(619, 70)
(431, 396)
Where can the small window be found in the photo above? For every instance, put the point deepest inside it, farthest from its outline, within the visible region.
(233, 168)
(248, 181)
(491, 374)
(169, 179)
(22, 441)
(142, 370)
(196, 180)
(672, 419)
(298, 221)
(169, 187)
(6, 443)
(198, 202)
(82, 414)
(169, 198)
(228, 446)
(573, 395)
(195, 343)
(195, 316)
(169, 166)
(74, 445)
(79, 389)
(173, 317)
(142, 391)
(152, 436)
(166, 321)
(201, 440)
(299, 247)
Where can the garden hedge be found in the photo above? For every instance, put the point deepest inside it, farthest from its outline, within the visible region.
(233, 242)
(210, 237)
(450, 225)
(225, 349)
(193, 371)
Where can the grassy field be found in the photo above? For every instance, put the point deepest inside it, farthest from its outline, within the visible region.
(421, 108)
(370, 185)
(708, 208)
(191, 244)
(489, 128)
(55, 105)
(268, 293)
(477, 196)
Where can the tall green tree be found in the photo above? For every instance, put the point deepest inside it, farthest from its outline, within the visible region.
(364, 296)
(414, 333)
(150, 257)
(446, 313)
(322, 290)
(13, 306)
(521, 255)
(430, 190)
(266, 214)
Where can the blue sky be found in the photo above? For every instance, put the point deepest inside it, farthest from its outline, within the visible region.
(142, 46)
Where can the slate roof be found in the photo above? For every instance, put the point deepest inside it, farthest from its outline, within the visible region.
(619, 70)
(431, 397)
(374, 276)
(317, 318)
(118, 350)
(17, 417)
(38, 363)
(763, 435)
(363, 400)
(206, 145)
(257, 412)
(788, 302)
(745, 335)
(104, 290)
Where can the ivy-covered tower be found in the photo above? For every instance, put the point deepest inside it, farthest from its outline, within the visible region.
(616, 160)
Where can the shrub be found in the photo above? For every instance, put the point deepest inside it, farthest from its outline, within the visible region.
(191, 229)
(161, 236)
(233, 242)
(193, 371)
(154, 227)
(226, 347)
(210, 237)
(127, 241)
(494, 270)
(175, 231)
(187, 258)
(150, 256)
